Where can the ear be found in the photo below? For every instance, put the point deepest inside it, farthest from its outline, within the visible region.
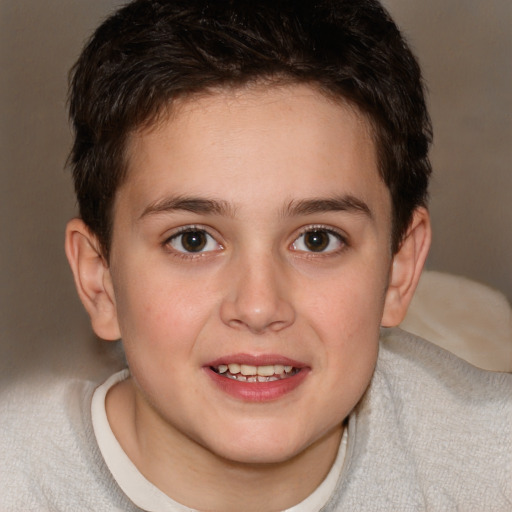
(406, 268)
(92, 279)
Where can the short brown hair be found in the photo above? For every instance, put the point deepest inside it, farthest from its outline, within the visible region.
(152, 51)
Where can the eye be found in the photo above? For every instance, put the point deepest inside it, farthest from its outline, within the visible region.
(193, 240)
(318, 240)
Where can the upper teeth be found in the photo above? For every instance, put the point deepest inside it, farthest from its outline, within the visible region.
(246, 369)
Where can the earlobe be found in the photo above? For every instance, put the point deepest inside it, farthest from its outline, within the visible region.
(92, 279)
(406, 268)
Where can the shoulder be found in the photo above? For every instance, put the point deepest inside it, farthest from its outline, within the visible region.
(43, 406)
(403, 355)
(432, 432)
(444, 397)
(50, 456)
(425, 375)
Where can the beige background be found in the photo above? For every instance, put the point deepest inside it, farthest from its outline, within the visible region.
(465, 47)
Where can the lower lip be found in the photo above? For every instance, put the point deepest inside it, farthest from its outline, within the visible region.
(258, 391)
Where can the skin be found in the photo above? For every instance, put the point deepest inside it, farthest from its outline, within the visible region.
(260, 169)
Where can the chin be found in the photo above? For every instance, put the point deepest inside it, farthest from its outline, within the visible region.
(258, 455)
(268, 444)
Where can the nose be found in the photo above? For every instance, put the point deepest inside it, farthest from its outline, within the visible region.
(257, 296)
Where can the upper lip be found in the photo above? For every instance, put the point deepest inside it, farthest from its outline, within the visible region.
(256, 360)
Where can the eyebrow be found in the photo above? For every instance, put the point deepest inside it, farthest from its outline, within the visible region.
(189, 204)
(345, 203)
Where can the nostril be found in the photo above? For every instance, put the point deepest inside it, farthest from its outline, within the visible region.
(236, 324)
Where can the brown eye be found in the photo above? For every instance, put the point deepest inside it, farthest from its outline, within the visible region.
(193, 241)
(318, 240)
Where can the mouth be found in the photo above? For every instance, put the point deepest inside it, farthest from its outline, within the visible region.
(253, 374)
(257, 378)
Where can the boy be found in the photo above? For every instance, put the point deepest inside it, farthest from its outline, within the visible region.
(252, 182)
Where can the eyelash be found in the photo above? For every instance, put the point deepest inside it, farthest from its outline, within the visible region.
(167, 243)
(342, 239)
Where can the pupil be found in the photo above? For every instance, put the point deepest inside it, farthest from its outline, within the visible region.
(316, 240)
(194, 241)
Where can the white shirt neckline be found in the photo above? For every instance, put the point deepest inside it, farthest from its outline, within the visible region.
(151, 499)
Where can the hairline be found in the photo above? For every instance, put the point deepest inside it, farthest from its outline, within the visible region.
(168, 110)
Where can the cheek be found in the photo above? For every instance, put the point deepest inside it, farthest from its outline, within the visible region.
(346, 318)
(350, 304)
(158, 312)
(351, 341)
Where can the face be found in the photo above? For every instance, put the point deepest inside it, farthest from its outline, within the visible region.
(249, 264)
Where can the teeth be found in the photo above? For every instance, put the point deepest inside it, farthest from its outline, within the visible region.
(266, 371)
(233, 368)
(246, 369)
(250, 373)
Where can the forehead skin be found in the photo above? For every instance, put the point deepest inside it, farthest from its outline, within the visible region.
(197, 112)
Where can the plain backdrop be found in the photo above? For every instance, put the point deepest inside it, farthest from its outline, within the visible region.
(465, 48)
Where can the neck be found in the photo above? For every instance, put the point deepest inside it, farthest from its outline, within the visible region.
(178, 465)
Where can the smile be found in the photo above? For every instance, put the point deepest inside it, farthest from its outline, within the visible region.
(249, 373)
(260, 378)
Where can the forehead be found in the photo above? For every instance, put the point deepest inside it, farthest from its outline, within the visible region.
(238, 144)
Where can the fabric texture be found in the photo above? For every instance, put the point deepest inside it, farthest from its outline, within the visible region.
(431, 433)
(147, 496)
